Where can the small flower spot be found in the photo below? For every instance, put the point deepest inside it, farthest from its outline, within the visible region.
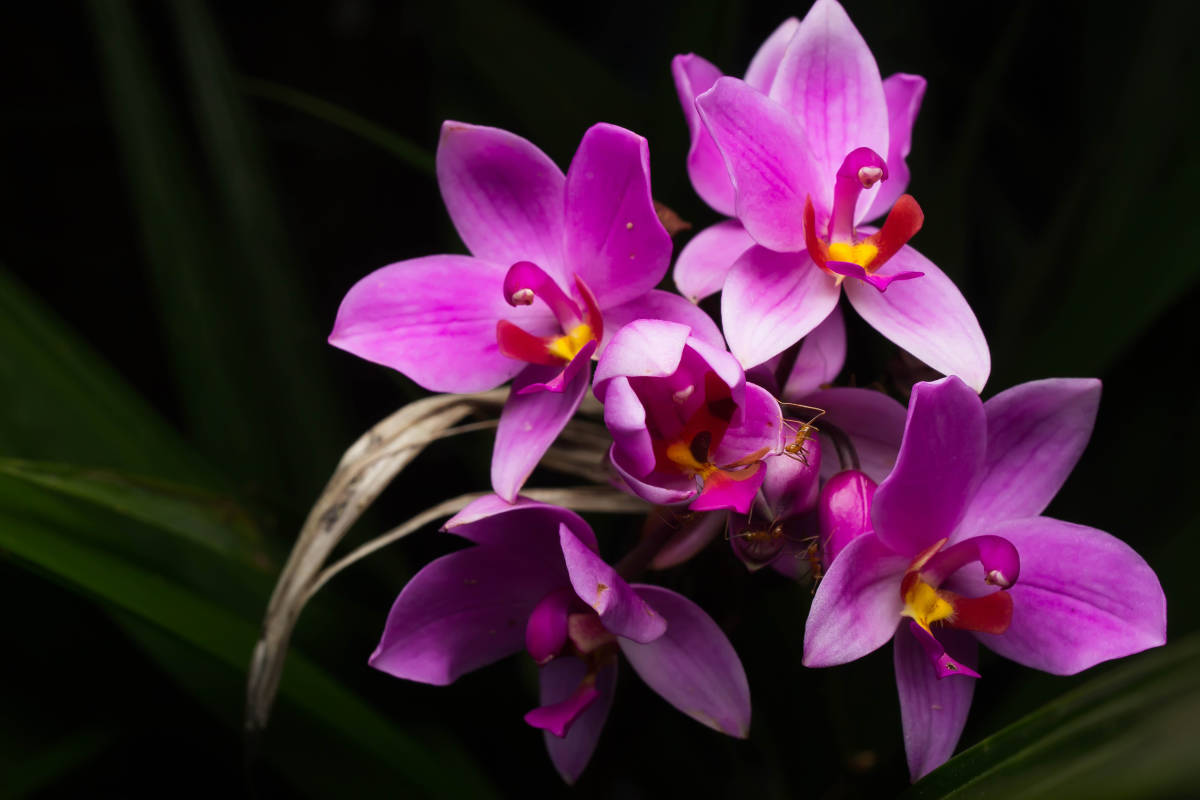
(628, 226)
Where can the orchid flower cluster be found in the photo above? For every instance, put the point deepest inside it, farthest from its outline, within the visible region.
(921, 526)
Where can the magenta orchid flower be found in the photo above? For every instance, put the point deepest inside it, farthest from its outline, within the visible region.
(705, 262)
(686, 426)
(534, 581)
(959, 554)
(806, 162)
(558, 262)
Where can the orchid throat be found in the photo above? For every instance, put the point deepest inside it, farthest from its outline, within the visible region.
(927, 605)
(840, 252)
(527, 282)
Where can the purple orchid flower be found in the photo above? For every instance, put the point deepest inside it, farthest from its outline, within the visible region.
(558, 262)
(686, 426)
(804, 155)
(958, 547)
(705, 262)
(534, 580)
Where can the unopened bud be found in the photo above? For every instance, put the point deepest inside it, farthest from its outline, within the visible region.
(844, 511)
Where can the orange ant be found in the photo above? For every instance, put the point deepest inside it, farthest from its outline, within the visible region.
(804, 432)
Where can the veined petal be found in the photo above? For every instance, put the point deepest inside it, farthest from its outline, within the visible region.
(694, 76)
(504, 195)
(1083, 597)
(873, 421)
(434, 319)
(614, 240)
(531, 421)
(692, 666)
(657, 304)
(926, 316)
(463, 611)
(933, 710)
(821, 356)
(829, 80)
(771, 300)
(558, 680)
(765, 64)
(769, 160)
(521, 525)
(705, 261)
(904, 94)
(621, 610)
(937, 470)
(648, 348)
(1036, 433)
(857, 605)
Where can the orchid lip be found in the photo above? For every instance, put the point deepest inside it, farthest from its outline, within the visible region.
(526, 282)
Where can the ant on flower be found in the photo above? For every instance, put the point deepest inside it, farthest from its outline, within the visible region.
(803, 431)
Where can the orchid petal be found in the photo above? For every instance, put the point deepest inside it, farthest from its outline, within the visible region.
(694, 76)
(621, 610)
(434, 319)
(821, 357)
(546, 628)
(1083, 597)
(873, 421)
(830, 82)
(692, 666)
(730, 489)
(625, 418)
(646, 348)
(463, 611)
(656, 487)
(939, 466)
(530, 422)
(667, 306)
(765, 64)
(771, 300)
(904, 94)
(879, 282)
(559, 679)
(614, 240)
(1036, 433)
(504, 195)
(933, 710)
(768, 157)
(521, 525)
(791, 485)
(760, 429)
(705, 261)
(857, 605)
(928, 317)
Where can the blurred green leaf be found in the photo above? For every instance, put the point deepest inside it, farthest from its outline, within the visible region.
(189, 269)
(1129, 733)
(27, 772)
(416, 157)
(55, 539)
(274, 319)
(202, 518)
(245, 358)
(62, 400)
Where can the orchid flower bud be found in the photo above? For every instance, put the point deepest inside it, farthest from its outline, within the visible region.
(844, 511)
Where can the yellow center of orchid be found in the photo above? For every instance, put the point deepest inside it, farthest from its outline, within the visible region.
(569, 344)
(680, 453)
(862, 254)
(924, 604)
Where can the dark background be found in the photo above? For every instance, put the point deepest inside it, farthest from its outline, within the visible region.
(182, 214)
